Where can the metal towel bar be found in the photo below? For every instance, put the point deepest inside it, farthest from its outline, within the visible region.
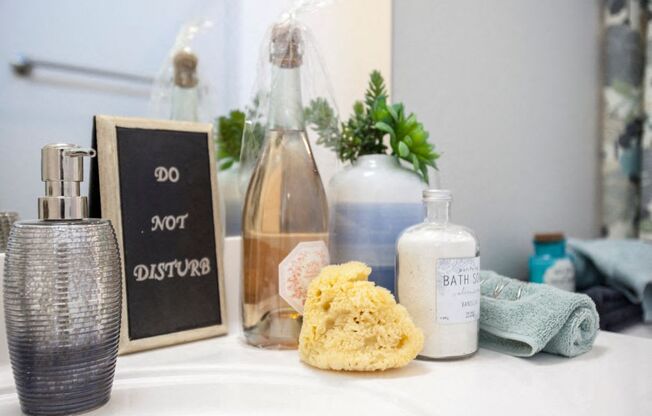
(25, 65)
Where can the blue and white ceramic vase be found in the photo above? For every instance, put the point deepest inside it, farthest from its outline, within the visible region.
(372, 201)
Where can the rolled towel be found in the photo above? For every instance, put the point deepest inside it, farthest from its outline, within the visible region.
(521, 319)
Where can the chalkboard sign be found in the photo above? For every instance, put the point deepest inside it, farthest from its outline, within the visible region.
(157, 183)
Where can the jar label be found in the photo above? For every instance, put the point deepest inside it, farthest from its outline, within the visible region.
(298, 269)
(561, 275)
(458, 290)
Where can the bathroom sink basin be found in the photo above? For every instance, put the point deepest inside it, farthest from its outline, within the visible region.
(234, 390)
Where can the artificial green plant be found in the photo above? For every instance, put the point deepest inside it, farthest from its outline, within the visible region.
(365, 131)
(228, 138)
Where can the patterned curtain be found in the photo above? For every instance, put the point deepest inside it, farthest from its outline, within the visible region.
(627, 95)
(645, 226)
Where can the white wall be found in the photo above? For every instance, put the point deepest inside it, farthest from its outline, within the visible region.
(135, 36)
(509, 90)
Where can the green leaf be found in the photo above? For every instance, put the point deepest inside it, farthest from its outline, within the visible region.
(379, 110)
(228, 135)
(222, 153)
(375, 88)
(430, 162)
(322, 118)
(415, 163)
(392, 112)
(411, 122)
(372, 120)
(403, 149)
(418, 139)
(424, 173)
(226, 164)
(358, 108)
(386, 128)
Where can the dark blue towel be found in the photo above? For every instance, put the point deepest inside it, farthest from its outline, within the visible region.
(615, 310)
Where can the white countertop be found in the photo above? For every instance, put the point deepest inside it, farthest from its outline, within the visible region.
(225, 376)
(615, 378)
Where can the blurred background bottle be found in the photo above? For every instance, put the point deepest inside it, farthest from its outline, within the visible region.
(185, 93)
(550, 263)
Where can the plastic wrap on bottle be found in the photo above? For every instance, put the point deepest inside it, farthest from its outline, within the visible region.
(184, 87)
(320, 110)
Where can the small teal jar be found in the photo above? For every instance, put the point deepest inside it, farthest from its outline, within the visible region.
(550, 263)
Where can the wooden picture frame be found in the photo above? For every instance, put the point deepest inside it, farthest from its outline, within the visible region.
(112, 138)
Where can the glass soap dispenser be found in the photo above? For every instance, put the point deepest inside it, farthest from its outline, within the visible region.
(438, 280)
(62, 295)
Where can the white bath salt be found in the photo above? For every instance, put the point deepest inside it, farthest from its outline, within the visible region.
(438, 280)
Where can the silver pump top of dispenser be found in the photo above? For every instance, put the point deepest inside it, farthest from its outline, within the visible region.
(62, 170)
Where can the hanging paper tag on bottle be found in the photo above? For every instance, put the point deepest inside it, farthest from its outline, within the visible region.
(298, 269)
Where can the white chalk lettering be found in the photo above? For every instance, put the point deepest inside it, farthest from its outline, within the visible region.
(163, 174)
(140, 272)
(169, 222)
(205, 266)
(172, 269)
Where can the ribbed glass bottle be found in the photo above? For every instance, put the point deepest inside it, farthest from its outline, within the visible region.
(62, 297)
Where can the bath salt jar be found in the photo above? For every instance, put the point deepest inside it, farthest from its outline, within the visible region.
(438, 280)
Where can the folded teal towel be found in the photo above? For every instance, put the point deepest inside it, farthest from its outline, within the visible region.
(625, 265)
(521, 319)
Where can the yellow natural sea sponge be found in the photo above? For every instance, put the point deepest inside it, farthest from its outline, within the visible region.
(350, 324)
